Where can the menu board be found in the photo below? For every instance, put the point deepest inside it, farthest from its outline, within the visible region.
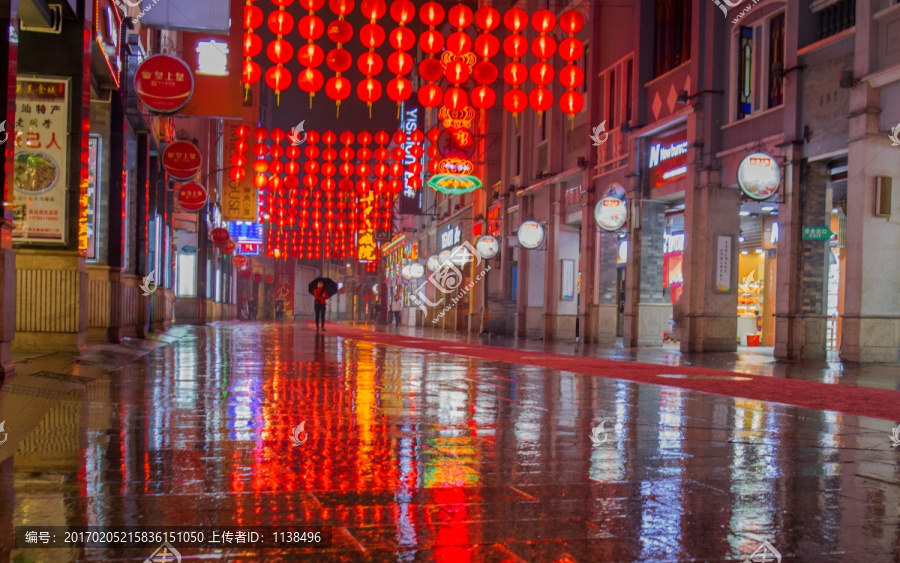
(40, 171)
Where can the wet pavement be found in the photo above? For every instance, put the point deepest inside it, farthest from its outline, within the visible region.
(413, 455)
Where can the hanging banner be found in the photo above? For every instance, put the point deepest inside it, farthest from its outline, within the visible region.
(530, 234)
(41, 161)
(611, 212)
(182, 160)
(163, 83)
(239, 197)
(284, 285)
(410, 199)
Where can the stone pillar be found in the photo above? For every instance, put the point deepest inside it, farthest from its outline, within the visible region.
(550, 271)
(800, 322)
(710, 317)
(142, 224)
(871, 318)
(523, 264)
(646, 311)
(607, 294)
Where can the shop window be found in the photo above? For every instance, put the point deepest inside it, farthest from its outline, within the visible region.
(836, 17)
(776, 58)
(518, 155)
(615, 84)
(629, 76)
(745, 73)
(672, 34)
(186, 274)
(611, 106)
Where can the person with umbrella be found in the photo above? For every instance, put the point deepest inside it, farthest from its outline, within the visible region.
(321, 289)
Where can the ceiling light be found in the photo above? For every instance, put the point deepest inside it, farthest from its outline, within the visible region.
(767, 209)
(759, 250)
(835, 211)
(745, 252)
(745, 213)
(741, 238)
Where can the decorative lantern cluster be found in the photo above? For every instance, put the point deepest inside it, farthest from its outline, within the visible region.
(452, 57)
(332, 196)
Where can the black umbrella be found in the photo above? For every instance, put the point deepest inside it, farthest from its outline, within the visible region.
(329, 285)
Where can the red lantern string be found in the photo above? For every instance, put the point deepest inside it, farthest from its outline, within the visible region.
(311, 28)
(260, 182)
(279, 50)
(543, 47)
(414, 168)
(339, 60)
(430, 69)
(571, 76)
(251, 73)
(433, 154)
(515, 46)
(486, 46)
(370, 64)
(400, 63)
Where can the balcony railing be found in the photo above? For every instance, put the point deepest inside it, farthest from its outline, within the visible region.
(835, 18)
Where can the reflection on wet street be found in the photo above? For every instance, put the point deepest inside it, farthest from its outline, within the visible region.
(413, 455)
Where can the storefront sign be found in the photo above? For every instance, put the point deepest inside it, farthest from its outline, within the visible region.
(182, 160)
(674, 245)
(220, 236)
(494, 223)
(40, 170)
(723, 264)
(487, 246)
(433, 264)
(228, 247)
(611, 212)
(416, 271)
(164, 83)
(530, 234)
(443, 257)
(93, 197)
(404, 272)
(410, 198)
(759, 176)
(239, 260)
(450, 238)
(667, 158)
(240, 198)
(192, 197)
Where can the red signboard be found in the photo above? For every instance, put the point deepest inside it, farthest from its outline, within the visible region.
(239, 260)
(494, 221)
(270, 279)
(182, 160)
(257, 277)
(228, 247)
(284, 285)
(220, 236)
(192, 197)
(164, 83)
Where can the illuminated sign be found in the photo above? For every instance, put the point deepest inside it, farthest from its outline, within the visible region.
(410, 198)
(494, 224)
(212, 58)
(531, 234)
(164, 83)
(487, 246)
(611, 212)
(450, 238)
(674, 244)
(759, 176)
(667, 158)
(433, 263)
(453, 184)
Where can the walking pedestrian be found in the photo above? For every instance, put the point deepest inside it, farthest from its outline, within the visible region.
(321, 297)
(396, 307)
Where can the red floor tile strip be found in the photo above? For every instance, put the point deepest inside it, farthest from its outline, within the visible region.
(861, 401)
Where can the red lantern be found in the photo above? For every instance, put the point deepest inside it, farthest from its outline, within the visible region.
(270, 279)
(278, 78)
(487, 45)
(281, 22)
(571, 102)
(571, 76)
(373, 9)
(487, 18)
(459, 43)
(402, 11)
(430, 95)
(399, 89)
(310, 80)
(253, 16)
(251, 73)
(431, 42)
(483, 97)
(371, 35)
(541, 73)
(370, 64)
(543, 46)
(457, 72)
(338, 89)
(402, 38)
(571, 49)
(571, 22)
(541, 99)
(311, 27)
(280, 51)
(515, 46)
(400, 63)
(431, 70)
(456, 99)
(340, 7)
(431, 14)
(515, 73)
(369, 91)
(485, 73)
(515, 101)
(460, 16)
(515, 19)
(219, 236)
(252, 44)
(543, 21)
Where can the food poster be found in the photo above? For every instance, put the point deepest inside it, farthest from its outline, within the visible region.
(40, 168)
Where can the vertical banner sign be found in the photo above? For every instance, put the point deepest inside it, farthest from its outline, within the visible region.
(40, 171)
(723, 264)
(239, 197)
(367, 249)
(568, 280)
(284, 285)
(410, 199)
(93, 195)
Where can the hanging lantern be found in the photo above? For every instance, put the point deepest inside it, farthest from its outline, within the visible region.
(571, 76)
(252, 45)
(515, 46)
(279, 51)
(311, 28)
(339, 59)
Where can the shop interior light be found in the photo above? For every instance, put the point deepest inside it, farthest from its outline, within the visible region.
(745, 252)
(834, 211)
(759, 250)
(767, 209)
(741, 238)
(745, 213)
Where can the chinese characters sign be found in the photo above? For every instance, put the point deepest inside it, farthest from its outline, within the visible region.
(164, 83)
(41, 164)
(367, 248)
(239, 197)
(182, 160)
(723, 264)
(284, 285)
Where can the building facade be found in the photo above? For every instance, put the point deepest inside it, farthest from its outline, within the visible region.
(751, 149)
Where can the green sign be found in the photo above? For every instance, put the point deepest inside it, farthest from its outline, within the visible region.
(816, 233)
